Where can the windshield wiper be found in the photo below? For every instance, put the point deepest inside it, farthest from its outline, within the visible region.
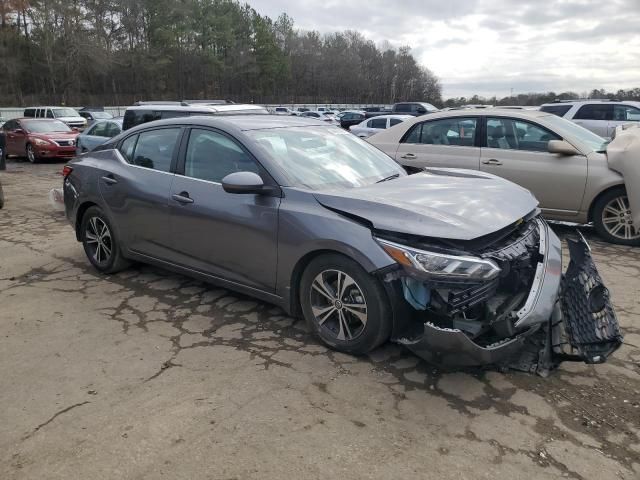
(390, 177)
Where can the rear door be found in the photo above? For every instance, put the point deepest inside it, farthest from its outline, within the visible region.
(517, 150)
(595, 117)
(443, 142)
(136, 189)
(226, 235)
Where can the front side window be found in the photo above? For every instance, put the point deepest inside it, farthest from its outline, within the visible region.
(49, 113)
(378, 123)
(394, 121)
(458, 131)
(512, 134)
(152, 149)
(212, 156)
(322, 158)
(403, 107)
(595, 111)
(626, 113)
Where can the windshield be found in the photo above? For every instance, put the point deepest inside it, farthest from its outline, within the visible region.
(321, 158)
(588, 138)
(101, 115)
(47, 126)
(64, 112)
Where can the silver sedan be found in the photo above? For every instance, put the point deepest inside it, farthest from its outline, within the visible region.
(576, 175)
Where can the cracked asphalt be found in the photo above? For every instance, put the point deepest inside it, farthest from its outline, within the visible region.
(148, 374)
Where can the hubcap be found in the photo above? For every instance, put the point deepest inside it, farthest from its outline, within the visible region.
(338, 305)
(30, 154)
(616, 218)
(98, 240)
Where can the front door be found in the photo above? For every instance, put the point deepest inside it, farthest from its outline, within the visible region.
(623, 114)
(446, 142)
(595, 117)
(230, 236)
(136, 189)
(15, 140)
(518, 151)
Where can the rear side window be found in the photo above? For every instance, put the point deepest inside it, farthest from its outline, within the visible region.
(100, 130)
(558, 110)
(30, 112)
(112, 130)
(133, 118)
(377, 123)
(595, 111)
(127, 148)
(154, 149)
(459, 131)
(394, 121)
(403, 107)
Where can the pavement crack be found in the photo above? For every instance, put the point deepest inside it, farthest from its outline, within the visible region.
(56, 415)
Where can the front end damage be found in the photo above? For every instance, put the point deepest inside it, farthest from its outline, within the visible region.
(516, 311)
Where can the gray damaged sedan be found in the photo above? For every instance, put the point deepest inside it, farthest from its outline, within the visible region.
(456, 265)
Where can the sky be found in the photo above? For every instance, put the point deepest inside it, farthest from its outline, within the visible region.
(489, 47)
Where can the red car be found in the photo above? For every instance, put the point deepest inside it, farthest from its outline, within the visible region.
(39, 139)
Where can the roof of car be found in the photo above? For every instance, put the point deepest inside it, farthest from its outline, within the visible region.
(197, 107)
(477, 112)
(595, 100)
(240, 122)
(50, 106)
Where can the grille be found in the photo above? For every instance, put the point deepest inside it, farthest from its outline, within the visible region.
(65, 143)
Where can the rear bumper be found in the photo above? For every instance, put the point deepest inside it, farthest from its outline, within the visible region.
(584, 328)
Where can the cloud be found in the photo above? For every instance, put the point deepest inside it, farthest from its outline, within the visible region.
(490, 46)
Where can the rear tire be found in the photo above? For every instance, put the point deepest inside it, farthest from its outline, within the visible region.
(612, 217)
(100, 242)
(346, 307)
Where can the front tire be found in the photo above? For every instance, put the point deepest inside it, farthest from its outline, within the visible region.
(100, 242)
(612, 218)
(344, 305)
(31, 154)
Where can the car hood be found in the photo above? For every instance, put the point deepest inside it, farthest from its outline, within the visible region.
(623, 156)
(55, 135)
(442, 203)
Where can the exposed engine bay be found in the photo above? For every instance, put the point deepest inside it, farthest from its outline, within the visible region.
(517, 311)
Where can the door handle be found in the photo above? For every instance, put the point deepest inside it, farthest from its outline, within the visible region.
(109, 180)
(182, 197)
(492, 161)
(408, 156)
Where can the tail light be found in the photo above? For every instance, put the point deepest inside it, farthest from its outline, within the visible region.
(66, 171)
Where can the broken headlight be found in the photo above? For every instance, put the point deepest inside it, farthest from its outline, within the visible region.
(440, 265)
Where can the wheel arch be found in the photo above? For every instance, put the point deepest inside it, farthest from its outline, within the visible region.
(80, 214)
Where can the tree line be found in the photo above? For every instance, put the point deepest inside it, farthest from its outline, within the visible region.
(535, 99)
(114, 52)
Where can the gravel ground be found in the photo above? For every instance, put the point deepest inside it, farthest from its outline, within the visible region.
(148, 374)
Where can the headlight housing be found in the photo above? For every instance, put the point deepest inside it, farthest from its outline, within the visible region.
(441, 266)
(41, 142)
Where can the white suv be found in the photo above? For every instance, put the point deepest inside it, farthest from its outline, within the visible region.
(600, 116)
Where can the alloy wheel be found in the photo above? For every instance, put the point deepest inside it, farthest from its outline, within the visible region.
(338, 305)
(98, 240)
(31, 155)
(616, 218)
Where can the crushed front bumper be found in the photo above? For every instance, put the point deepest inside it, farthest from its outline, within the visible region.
(565, 317)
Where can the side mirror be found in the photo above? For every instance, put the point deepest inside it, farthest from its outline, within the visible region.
(561, 147)
(243, 182)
